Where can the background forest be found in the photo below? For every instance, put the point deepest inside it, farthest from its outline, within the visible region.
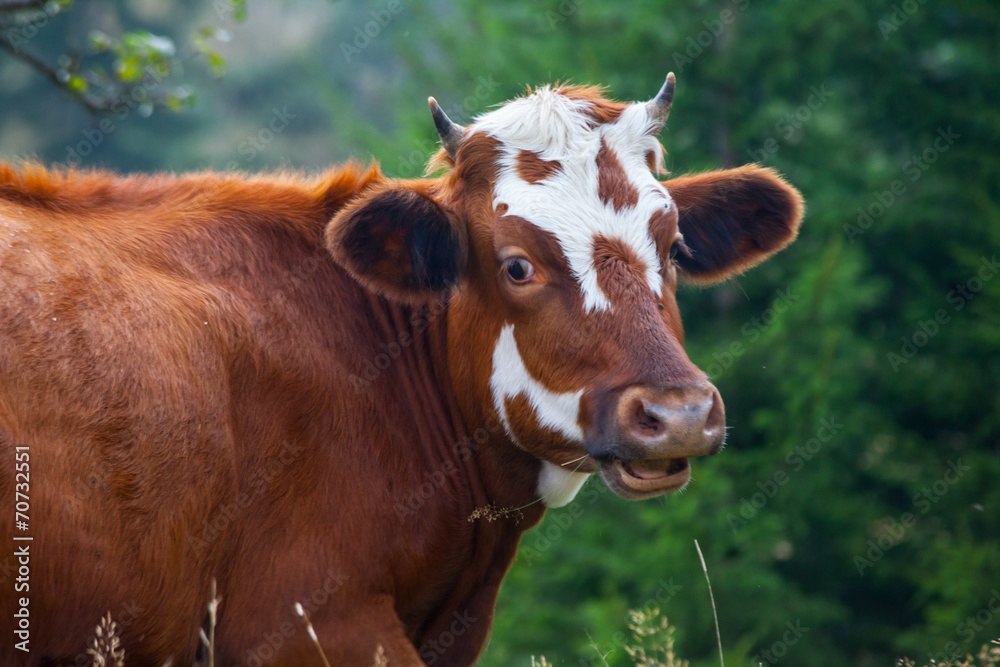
(855, 515)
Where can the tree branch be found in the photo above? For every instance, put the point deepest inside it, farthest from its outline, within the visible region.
(51, 74)
(17, 5)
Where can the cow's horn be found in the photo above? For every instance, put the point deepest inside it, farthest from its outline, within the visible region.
(451, 133)
(659, 106)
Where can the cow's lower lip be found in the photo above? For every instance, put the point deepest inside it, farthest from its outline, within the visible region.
(644, 479)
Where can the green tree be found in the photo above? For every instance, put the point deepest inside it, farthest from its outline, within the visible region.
(854, 516)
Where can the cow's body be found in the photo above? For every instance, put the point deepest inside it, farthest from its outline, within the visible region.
(205, 392)
(187, 368)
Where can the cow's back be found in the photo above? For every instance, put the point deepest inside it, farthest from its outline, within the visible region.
(129, 309)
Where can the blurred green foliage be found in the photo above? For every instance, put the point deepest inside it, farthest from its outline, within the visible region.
(855, 515)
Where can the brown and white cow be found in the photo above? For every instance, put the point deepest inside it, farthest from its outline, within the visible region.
(347, 391)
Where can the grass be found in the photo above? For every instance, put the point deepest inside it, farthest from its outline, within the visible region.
(651, 642)
(105, 646)
(652, 645)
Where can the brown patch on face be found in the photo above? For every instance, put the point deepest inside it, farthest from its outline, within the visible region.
(621, 275)
(613, 185)
(538, 439)
(533, 169)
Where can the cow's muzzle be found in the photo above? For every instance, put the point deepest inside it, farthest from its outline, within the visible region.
(649, 434)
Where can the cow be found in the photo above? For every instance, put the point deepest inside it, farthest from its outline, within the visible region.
(347, 392)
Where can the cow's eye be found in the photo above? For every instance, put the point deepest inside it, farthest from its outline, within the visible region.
(519, 270)
(674, 249)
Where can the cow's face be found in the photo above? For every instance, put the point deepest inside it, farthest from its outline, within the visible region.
(567, 251)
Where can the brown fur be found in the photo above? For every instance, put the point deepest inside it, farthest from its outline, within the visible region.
(734, 219)
(534, 169)
(217, 381)
(170, 343)
(613, 186)
(600, 109)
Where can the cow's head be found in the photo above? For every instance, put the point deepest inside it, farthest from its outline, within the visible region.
(566, 251)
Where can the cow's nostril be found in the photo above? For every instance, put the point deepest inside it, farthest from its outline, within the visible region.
(715, 423)
(648, 425)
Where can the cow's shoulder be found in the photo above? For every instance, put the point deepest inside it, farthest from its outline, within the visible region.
(137, 300)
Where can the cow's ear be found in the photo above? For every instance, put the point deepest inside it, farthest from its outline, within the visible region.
(732, 219)
(399, 242)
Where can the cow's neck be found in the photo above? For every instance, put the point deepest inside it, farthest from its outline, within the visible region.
(509, 474)
(412, 347)
(496, 501)
(451, 423)
(493, 499)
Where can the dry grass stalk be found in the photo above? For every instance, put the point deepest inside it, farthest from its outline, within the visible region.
(491, 513)
(300, 610)
(208, 641)
(105, 646)
(715, 614)
(653, 640)
(989, 656)
(597, 649)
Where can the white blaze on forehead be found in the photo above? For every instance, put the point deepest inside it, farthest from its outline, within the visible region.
(566, 203)
(556, 411)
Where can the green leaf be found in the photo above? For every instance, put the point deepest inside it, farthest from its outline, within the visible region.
(99, 42)
(77, 84)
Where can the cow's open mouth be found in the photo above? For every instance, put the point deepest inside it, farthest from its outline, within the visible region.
(644, 479)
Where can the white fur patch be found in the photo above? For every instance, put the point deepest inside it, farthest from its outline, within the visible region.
(566, 204)
(559, 412)
(511, 378)
(558, 485)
